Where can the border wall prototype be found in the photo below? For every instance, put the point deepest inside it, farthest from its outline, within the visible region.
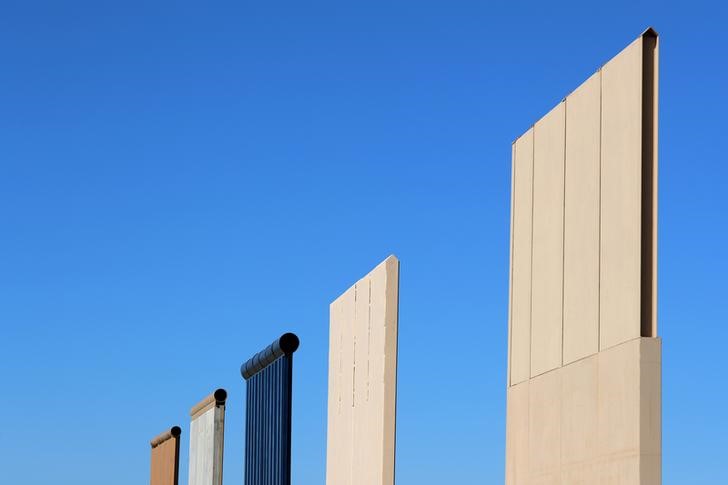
(363, 380)
(268, 401)
(165, 457)
(584, 366)
(207, 436)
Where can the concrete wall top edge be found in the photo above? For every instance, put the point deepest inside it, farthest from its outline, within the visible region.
(648, 32)
(391, 259)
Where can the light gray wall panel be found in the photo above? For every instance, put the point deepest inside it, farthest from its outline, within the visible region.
(206, 444)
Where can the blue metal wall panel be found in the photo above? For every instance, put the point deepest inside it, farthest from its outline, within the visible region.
(268, 413)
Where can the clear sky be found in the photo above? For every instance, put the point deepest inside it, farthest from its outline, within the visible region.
(182, 182)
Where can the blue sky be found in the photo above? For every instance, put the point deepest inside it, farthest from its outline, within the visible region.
(180, 183)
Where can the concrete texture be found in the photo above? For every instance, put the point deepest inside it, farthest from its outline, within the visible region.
(621, 197)
(521, 237)
(596, 420)
(207, 429)
(548, 237)
(581, 221)
(362, 380)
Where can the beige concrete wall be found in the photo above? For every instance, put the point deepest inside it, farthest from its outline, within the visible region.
(547, 247)
(521, 237)
(584, 399)
(594, 421)
(621, 197)
(581, 221)
(583, 235)
(362, 380)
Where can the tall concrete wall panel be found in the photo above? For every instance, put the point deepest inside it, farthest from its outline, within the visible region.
(584, 395)
(207, 429)
(521, 237)
(362, 380)
(165, 458)
(548, 236)
(581, 221)
(621, 196)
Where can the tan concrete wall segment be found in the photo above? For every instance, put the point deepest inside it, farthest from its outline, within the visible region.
(581, 221)
(594, 421)
(621, 193)
(544, 427)
(341, 364)
(579, 412)
(584, 367)
(517, 455)
(362, 380)
(522, 227)
(165, 458)
(207, 430)
(548, 237)
(583, 258)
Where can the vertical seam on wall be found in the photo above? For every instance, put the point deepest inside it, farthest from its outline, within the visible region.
(530, 273)
(563, 242)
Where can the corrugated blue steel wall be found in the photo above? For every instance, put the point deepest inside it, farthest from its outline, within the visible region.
(268, 423)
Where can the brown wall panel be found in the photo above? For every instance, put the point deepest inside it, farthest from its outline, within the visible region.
(621, 194)
(522, 226)
(581, 221)
(165, 458)
(548, 238)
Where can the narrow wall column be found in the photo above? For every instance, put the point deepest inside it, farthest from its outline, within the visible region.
(207, 435)
(165, 457)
